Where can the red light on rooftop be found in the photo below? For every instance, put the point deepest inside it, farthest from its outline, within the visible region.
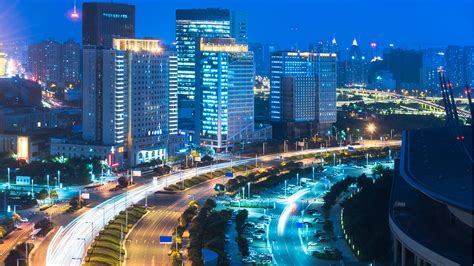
(74, 15)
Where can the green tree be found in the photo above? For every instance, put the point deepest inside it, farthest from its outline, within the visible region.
(54, 195)
(75, 203)
(42, 195)
(123, 181)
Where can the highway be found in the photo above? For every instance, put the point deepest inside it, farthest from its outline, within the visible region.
(142, 244)
(69, 245)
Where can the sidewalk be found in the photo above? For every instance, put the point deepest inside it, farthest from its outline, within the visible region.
(340, 243)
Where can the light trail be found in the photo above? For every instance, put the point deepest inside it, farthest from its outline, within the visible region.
(70, 243)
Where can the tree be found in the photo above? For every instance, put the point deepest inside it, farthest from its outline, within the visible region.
(42, 195)
(3, 231)
(75, 203)
(53, 195)
(123, 181)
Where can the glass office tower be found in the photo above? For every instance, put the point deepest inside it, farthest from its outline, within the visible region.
(224, 93)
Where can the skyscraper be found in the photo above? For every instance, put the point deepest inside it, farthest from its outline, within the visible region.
(101, 22)
(433, 61)
(455, 68)
(356, 67)
(303, 93)
(191, 25)
(136, 106)
(224, 93)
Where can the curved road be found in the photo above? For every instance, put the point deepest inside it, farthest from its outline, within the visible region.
(69, 245)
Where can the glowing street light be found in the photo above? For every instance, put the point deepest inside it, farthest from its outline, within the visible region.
(371, 129)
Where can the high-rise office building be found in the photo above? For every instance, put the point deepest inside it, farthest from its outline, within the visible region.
(224, 93)
(191, 25)
(102, 22)
(303, 93)
(134, 104)
(356, 67)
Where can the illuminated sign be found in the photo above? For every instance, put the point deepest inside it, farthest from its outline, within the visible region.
(22, 148)
(112, 15)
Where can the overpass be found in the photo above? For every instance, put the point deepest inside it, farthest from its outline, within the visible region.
(378, 95)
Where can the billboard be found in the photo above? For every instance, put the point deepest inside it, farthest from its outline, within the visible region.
(23, 180)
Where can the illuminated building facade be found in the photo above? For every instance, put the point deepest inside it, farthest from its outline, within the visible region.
(191, 25)
(356, 67)
(136, 106)
(102, 22)
(3, 64)
(303, 92)
(224, 95)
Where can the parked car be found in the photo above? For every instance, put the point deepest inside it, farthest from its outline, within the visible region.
(312, 243)
(323, 239)
(318, 220)
(249, 240)
(310, 225)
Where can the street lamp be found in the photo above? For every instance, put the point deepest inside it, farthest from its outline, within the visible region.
(313, 173)
(59, 178)
(297, 179)
(8, 174)
(263, 148)
(285, 187)
(243, 192)
(371, 129)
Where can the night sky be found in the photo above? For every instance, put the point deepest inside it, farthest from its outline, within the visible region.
(406, 23)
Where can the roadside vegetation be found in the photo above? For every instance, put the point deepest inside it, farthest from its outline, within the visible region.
(183, 224)
(365, 217)
(240, 219)
(17, 255)
(45, 225)
(207, 230)
(196, 180)
(107, 248)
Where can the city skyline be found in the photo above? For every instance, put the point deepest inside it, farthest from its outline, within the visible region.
(365, 20)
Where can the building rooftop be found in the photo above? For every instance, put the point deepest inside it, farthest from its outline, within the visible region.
(429, 223)
(435, 163)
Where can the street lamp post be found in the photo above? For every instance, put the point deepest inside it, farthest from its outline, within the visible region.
(32, 188)
(297, 179)
(313, 173)
(103, 215)
(367, 159)
(263, 148)
(59, 178)
(243, 192)
(8, 175)
(285, 187)
(391, 133)
(334, 158)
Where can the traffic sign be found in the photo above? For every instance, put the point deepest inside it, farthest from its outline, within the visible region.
(229, 174)
(166, 239)
(299, 225)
